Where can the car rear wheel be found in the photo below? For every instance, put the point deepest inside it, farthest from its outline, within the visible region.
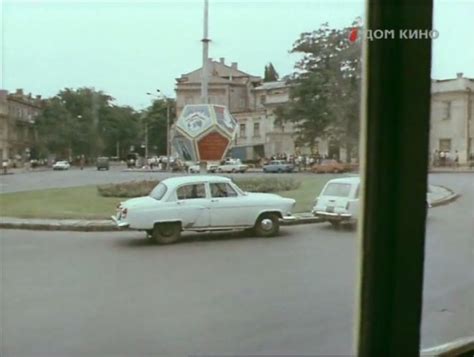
(166, 233)
(267, 225)
(336, 224)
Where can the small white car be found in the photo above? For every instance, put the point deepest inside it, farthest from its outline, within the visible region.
(232, 166)
(338, 202)
(61, 165)
(202, 203)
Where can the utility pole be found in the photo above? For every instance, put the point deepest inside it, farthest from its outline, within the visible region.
(146, 141)
(205, 57)
(168, 139)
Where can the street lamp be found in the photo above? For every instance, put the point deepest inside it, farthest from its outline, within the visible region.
(163, 96)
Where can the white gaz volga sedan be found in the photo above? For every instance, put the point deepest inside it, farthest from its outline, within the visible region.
(200, 204)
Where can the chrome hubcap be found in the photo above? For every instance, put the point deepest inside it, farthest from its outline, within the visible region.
(267, 224)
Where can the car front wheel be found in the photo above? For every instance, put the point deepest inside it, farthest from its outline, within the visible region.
(166, 233)
(267, 225)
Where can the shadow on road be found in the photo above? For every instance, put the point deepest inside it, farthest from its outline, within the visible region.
(141, 241)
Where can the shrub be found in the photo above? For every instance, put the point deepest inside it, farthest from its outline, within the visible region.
(249, 184)
(127, 189)
(267, 184)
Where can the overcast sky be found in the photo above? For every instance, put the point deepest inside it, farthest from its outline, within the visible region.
(128, 48)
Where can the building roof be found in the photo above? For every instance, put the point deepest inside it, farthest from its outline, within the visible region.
(272, 85)
(460, 83)
(218, 72)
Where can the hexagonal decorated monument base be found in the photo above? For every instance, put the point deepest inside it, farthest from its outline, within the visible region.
(204, 132)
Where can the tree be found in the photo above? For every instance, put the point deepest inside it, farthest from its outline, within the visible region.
(84, 122)
(325, 88)
(155, 118)
(270, 74)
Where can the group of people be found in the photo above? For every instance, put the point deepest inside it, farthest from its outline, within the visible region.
(445, 158)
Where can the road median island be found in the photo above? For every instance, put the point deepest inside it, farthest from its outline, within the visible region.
(86, 209)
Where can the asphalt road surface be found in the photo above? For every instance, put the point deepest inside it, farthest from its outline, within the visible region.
(115, 294)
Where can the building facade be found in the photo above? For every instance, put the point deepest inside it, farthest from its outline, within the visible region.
(18, 113)
(253, 102)
(452, 113)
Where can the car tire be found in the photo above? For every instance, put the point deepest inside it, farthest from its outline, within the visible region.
(233, 171)
(166, 233)
(267, 225)
(336, 224)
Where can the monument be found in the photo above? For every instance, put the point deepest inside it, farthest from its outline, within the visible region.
(204, 132)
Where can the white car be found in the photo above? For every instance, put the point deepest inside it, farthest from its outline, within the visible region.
(338, 201)
(201, 204)
(196, 168)
(232, 166)
(61, 165)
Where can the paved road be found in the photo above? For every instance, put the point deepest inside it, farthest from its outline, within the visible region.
(114, 294)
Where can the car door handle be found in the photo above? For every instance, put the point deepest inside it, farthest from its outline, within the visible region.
(215, 200)
(180, 202)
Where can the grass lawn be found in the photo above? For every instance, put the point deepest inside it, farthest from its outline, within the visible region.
(85, 203)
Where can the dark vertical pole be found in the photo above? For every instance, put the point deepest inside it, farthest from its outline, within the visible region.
(395, 134)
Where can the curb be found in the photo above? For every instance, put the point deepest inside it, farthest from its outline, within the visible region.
(101, 226)
(446, 200)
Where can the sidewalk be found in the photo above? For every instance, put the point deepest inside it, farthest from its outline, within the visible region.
(438, 195)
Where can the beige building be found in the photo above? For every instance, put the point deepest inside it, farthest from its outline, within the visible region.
(228, 86)
(18, 112)
(260, 134)
(452, 117)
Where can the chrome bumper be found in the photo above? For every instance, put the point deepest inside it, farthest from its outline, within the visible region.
(333, 215)
(289, 218)
(119, 224)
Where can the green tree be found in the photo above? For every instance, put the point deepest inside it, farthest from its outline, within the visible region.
(155, 118)
(84, 122)
(270, 74)
(325, 88)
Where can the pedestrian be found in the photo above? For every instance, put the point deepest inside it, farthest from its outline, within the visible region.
(456, 159)
(442, 158)
(5, 166)
(82, 161)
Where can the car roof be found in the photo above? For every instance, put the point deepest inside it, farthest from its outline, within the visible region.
(181, 180)
(348, 179)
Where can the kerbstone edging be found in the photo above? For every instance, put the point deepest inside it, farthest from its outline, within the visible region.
(443, 196)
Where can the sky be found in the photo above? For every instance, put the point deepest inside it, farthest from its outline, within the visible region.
(129, 48)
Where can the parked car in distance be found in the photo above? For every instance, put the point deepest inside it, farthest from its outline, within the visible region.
(195, 168)
(338, 201)
(278, 166)
(61, 165)
(202, 203)
(103, 163)
(329, 166)
(232, 166)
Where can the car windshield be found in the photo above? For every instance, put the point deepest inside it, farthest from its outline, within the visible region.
(337, 189)
(159, 191)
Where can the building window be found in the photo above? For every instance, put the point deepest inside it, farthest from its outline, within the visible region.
(242, 130)
(445, 144)
(446, 110)
(256, 129)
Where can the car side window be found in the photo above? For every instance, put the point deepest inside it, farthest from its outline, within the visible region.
(189, 192)
(222, 190)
